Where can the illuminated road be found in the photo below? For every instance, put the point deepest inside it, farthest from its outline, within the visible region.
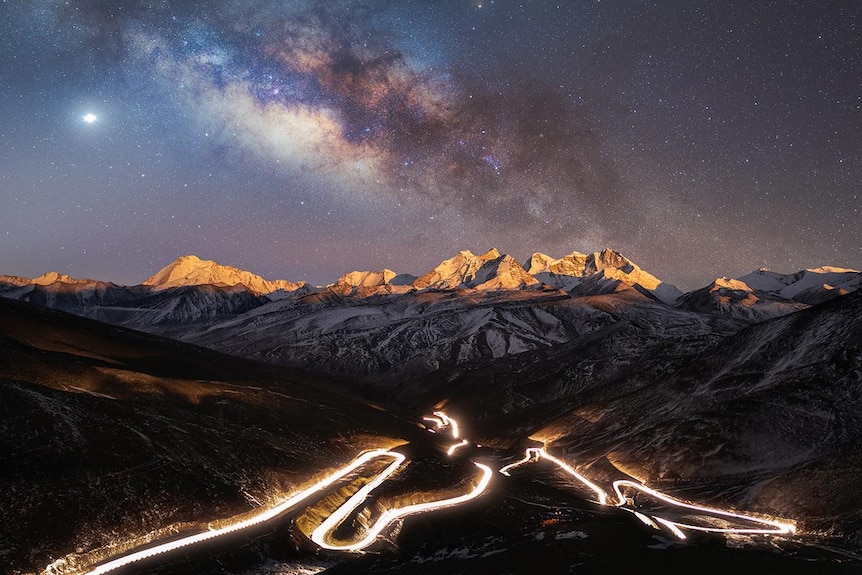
(770, 526)
(443, 421)
(453, 425)
(439, 422)
(774, 527)
(286, 505)
(534, 454)
(321, 535)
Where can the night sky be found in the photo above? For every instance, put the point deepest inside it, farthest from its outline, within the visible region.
(304, 139)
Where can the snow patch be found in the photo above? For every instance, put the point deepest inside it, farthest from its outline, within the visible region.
(571, 535)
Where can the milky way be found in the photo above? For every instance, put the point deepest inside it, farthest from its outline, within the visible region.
(303, 139)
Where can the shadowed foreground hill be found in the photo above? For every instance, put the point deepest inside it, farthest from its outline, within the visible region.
(107, 434)
(110, 438)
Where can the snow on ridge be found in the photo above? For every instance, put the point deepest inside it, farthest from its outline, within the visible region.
(47, 279)
(192, 270)
(571, 270)
(491, 270)
(804, 283)
(728, 283)
(367, 278)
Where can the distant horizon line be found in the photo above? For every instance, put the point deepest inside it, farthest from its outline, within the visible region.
(826, 268)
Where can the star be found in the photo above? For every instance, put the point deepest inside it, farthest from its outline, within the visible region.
(90, 118)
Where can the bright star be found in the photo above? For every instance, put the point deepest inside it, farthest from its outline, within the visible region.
(90, 118)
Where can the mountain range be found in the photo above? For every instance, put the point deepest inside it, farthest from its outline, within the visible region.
(599, 272)
(382, 325)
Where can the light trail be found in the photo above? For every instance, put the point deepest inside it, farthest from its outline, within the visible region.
(534, 454)
(438, 423)
(778, 528)
(456, 433)
(672, 526)
(455, 447)
(333, 521)
(644, 519)
(323, 533)
(320, 534)
(257, 519)
(390, 515)
(442, 420)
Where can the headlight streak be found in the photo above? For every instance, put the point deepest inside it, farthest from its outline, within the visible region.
(450, 422)
(333, 521)
(438, 423)
(533, 454)
(446, 421)
(778, 528)
(320, 534)
(325, 529)
(644, 519)
(536, 453)
(672, 526)
(454, 447)
(391, 515)
(244, 524)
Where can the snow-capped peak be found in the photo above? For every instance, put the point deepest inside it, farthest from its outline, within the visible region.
(804, 285)
(490, 270)
(569, 272)
(765, 279)
(572, 264)
(370, 283)
(47, 279)
(728, 283)
(610, 259)
(192, 270)
(832, 270)
(367, 279)
(539, 262)
(577, 264)
(54, 277)
(502, 272)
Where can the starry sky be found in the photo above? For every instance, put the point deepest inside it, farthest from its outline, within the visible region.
(301, 139)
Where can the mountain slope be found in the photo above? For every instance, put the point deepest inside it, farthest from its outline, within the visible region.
(109, 435)
(734, 298)
(191, 270)
(809, 286)
(387, 338)
(366, 283)
(605, 270)
(115, 437)
(488, 271)
(765, 294)
(751, 419)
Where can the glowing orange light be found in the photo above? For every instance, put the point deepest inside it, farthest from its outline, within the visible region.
(533, 454)
(456, 446)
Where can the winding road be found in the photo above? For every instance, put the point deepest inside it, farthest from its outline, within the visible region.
(767, 526)
(323, 535)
